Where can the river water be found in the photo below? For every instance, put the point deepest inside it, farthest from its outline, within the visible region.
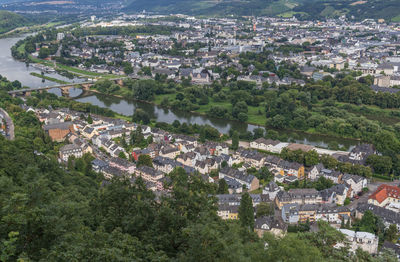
(15, 70)
(127, 107)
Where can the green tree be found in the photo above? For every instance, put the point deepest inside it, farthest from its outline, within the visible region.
(222, 187)
(246, 211)
(235, 141)
(122, 155)
(311, 158)
(128, 69)
(144, 160)
(265, 209)
(141, 116)
(380, 164)
(391, 234)
(89, 119)
(146, 70)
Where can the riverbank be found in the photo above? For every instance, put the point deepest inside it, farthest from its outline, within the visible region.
(52, 79)
(122, 105)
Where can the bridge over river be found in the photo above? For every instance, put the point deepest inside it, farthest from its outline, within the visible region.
(65, 88)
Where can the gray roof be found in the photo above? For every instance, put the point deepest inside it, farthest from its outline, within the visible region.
(62, 125)
(236, 174)
(271, 222)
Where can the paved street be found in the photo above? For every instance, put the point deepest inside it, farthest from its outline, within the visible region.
(9, 124)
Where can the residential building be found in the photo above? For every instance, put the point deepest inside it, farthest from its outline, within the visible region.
(385, 195)
(70, 150)
(59, 131)
(249, 181)
(366, 241)
(270, 224)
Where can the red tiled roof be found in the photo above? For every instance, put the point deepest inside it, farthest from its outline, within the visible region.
(385, 191)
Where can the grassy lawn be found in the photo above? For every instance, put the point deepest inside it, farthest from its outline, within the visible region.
(124, 92)
(79, 71)
(21, 49)
(40, 61)
(159, 98)
(257, 115)
(206, 108)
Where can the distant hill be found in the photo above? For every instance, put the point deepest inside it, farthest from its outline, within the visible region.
(359, 9)
(307, 9)
(215, 7)
(303, 9)
(10, 21)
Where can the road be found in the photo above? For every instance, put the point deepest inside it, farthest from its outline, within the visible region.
(9, 124)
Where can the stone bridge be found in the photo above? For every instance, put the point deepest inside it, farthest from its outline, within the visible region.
(65, 88)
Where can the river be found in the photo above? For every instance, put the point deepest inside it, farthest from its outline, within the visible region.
(127, 107)
(16, 70)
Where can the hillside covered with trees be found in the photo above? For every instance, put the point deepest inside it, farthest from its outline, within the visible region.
(10, 21)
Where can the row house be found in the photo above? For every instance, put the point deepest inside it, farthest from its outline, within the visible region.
(108, 145)
(234, 199)
(169, 152)
(265, 144)
(85, 146)
(300, 196)
(227, 212)
(151, 175)
(354, 182)
(118, 133)
(70, 150)
(166, 165)
(254, 158)
(296, 213)
(217, 149)
(205, 166)
(234, 187)
(332, 175)
(98, 165)
(188, 159)
(202, 153)
(387, 216)
(185, 139)
(123, 164)
(185, 147)
(282, 167)
(249, 181)
(109, 172)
